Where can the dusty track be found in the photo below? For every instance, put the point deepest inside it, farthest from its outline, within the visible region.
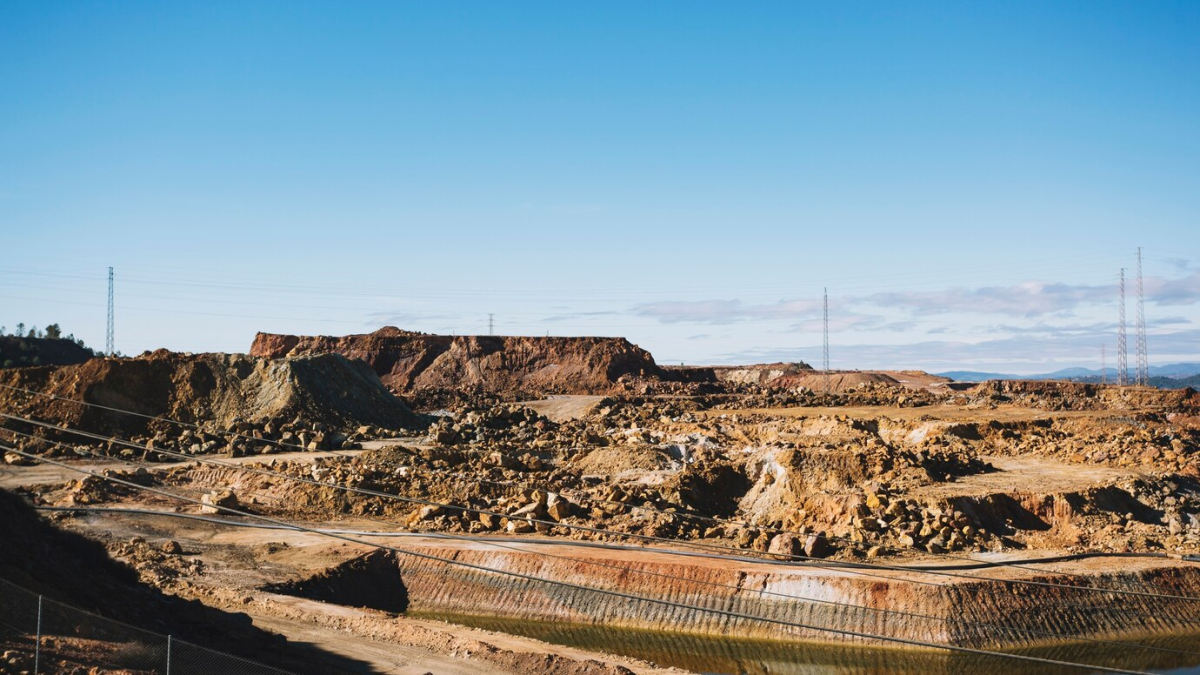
(950, 413)
(1026, 474)
(239, 561)
(49, 474)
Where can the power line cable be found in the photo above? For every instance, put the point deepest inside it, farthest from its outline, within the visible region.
(584, 544)
(887, 281)
(849, 567)
(475, 478)
(587, 589)
(641, 537)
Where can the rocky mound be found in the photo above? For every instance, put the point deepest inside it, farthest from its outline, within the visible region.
(800, 375)
(411, 362)
(223, 389)
(1058, 395)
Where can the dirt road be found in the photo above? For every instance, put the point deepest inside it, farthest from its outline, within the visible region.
(48, 474)
(949, 413)
(1017, 475)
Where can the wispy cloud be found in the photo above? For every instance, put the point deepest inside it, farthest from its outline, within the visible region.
(1019, 353)
(1030, 300)
(1099, 329)
(805, 315)
(1024, 300)
(843, 321)
(725, 311)
(399, 319)
(577, 315)
(1179, 291)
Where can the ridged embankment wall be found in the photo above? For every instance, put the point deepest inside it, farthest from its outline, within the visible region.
(704, 598)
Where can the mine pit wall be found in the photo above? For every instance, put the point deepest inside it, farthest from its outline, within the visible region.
(975, 614)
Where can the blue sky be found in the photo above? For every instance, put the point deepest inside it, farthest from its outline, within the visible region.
(966, 178)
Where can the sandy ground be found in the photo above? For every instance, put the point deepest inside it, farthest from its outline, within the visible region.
(306, 553)
(564, 408)
(1017, 475)
(950, 413)
(48, 474)
(239, 561)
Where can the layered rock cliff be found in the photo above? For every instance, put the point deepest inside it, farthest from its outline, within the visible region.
(410, 362)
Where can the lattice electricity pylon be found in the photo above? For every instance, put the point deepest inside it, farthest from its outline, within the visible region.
(1143, 358)
(825, 344)
(109, 341)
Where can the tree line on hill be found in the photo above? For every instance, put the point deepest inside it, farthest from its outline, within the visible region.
(37, 347)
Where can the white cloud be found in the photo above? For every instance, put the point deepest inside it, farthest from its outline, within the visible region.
(725, 311)
(1027, 300)
(1023, 354)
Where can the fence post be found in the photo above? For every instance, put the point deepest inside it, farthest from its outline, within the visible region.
(37, 644)
(168, 655)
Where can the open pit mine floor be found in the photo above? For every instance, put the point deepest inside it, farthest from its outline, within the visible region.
(637, 520)
(450, 622)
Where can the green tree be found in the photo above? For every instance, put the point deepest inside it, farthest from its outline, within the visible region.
(53, 332)
(20, 330)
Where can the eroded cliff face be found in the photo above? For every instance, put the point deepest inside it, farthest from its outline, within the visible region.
(409, 362)
(217, 388)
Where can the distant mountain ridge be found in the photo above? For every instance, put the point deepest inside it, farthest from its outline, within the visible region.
(1170, 375)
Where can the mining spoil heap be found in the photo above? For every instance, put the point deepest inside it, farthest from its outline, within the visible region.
(222, 389)
(634, 500)
(409, 361)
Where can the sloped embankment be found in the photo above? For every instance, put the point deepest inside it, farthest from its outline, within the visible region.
(70, 568)
(217, 388)
(972, 613)
(409, 361)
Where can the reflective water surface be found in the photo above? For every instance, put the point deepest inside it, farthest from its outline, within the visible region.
(1178, 655)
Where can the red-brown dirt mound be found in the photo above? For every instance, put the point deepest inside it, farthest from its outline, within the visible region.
(410, 362)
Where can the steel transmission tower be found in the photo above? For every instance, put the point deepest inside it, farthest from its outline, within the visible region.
(491, 324)
(108, 338)
(1122, 346)
(1143, 359)
(825, 342)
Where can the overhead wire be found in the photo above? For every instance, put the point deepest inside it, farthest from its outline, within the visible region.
(642, 507)
(845, 566)
(812, 561)
(584, 588)
(849, 568)
(604, 546)
(887, 280)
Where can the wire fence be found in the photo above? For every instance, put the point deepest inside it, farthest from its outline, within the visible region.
(42, 636)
